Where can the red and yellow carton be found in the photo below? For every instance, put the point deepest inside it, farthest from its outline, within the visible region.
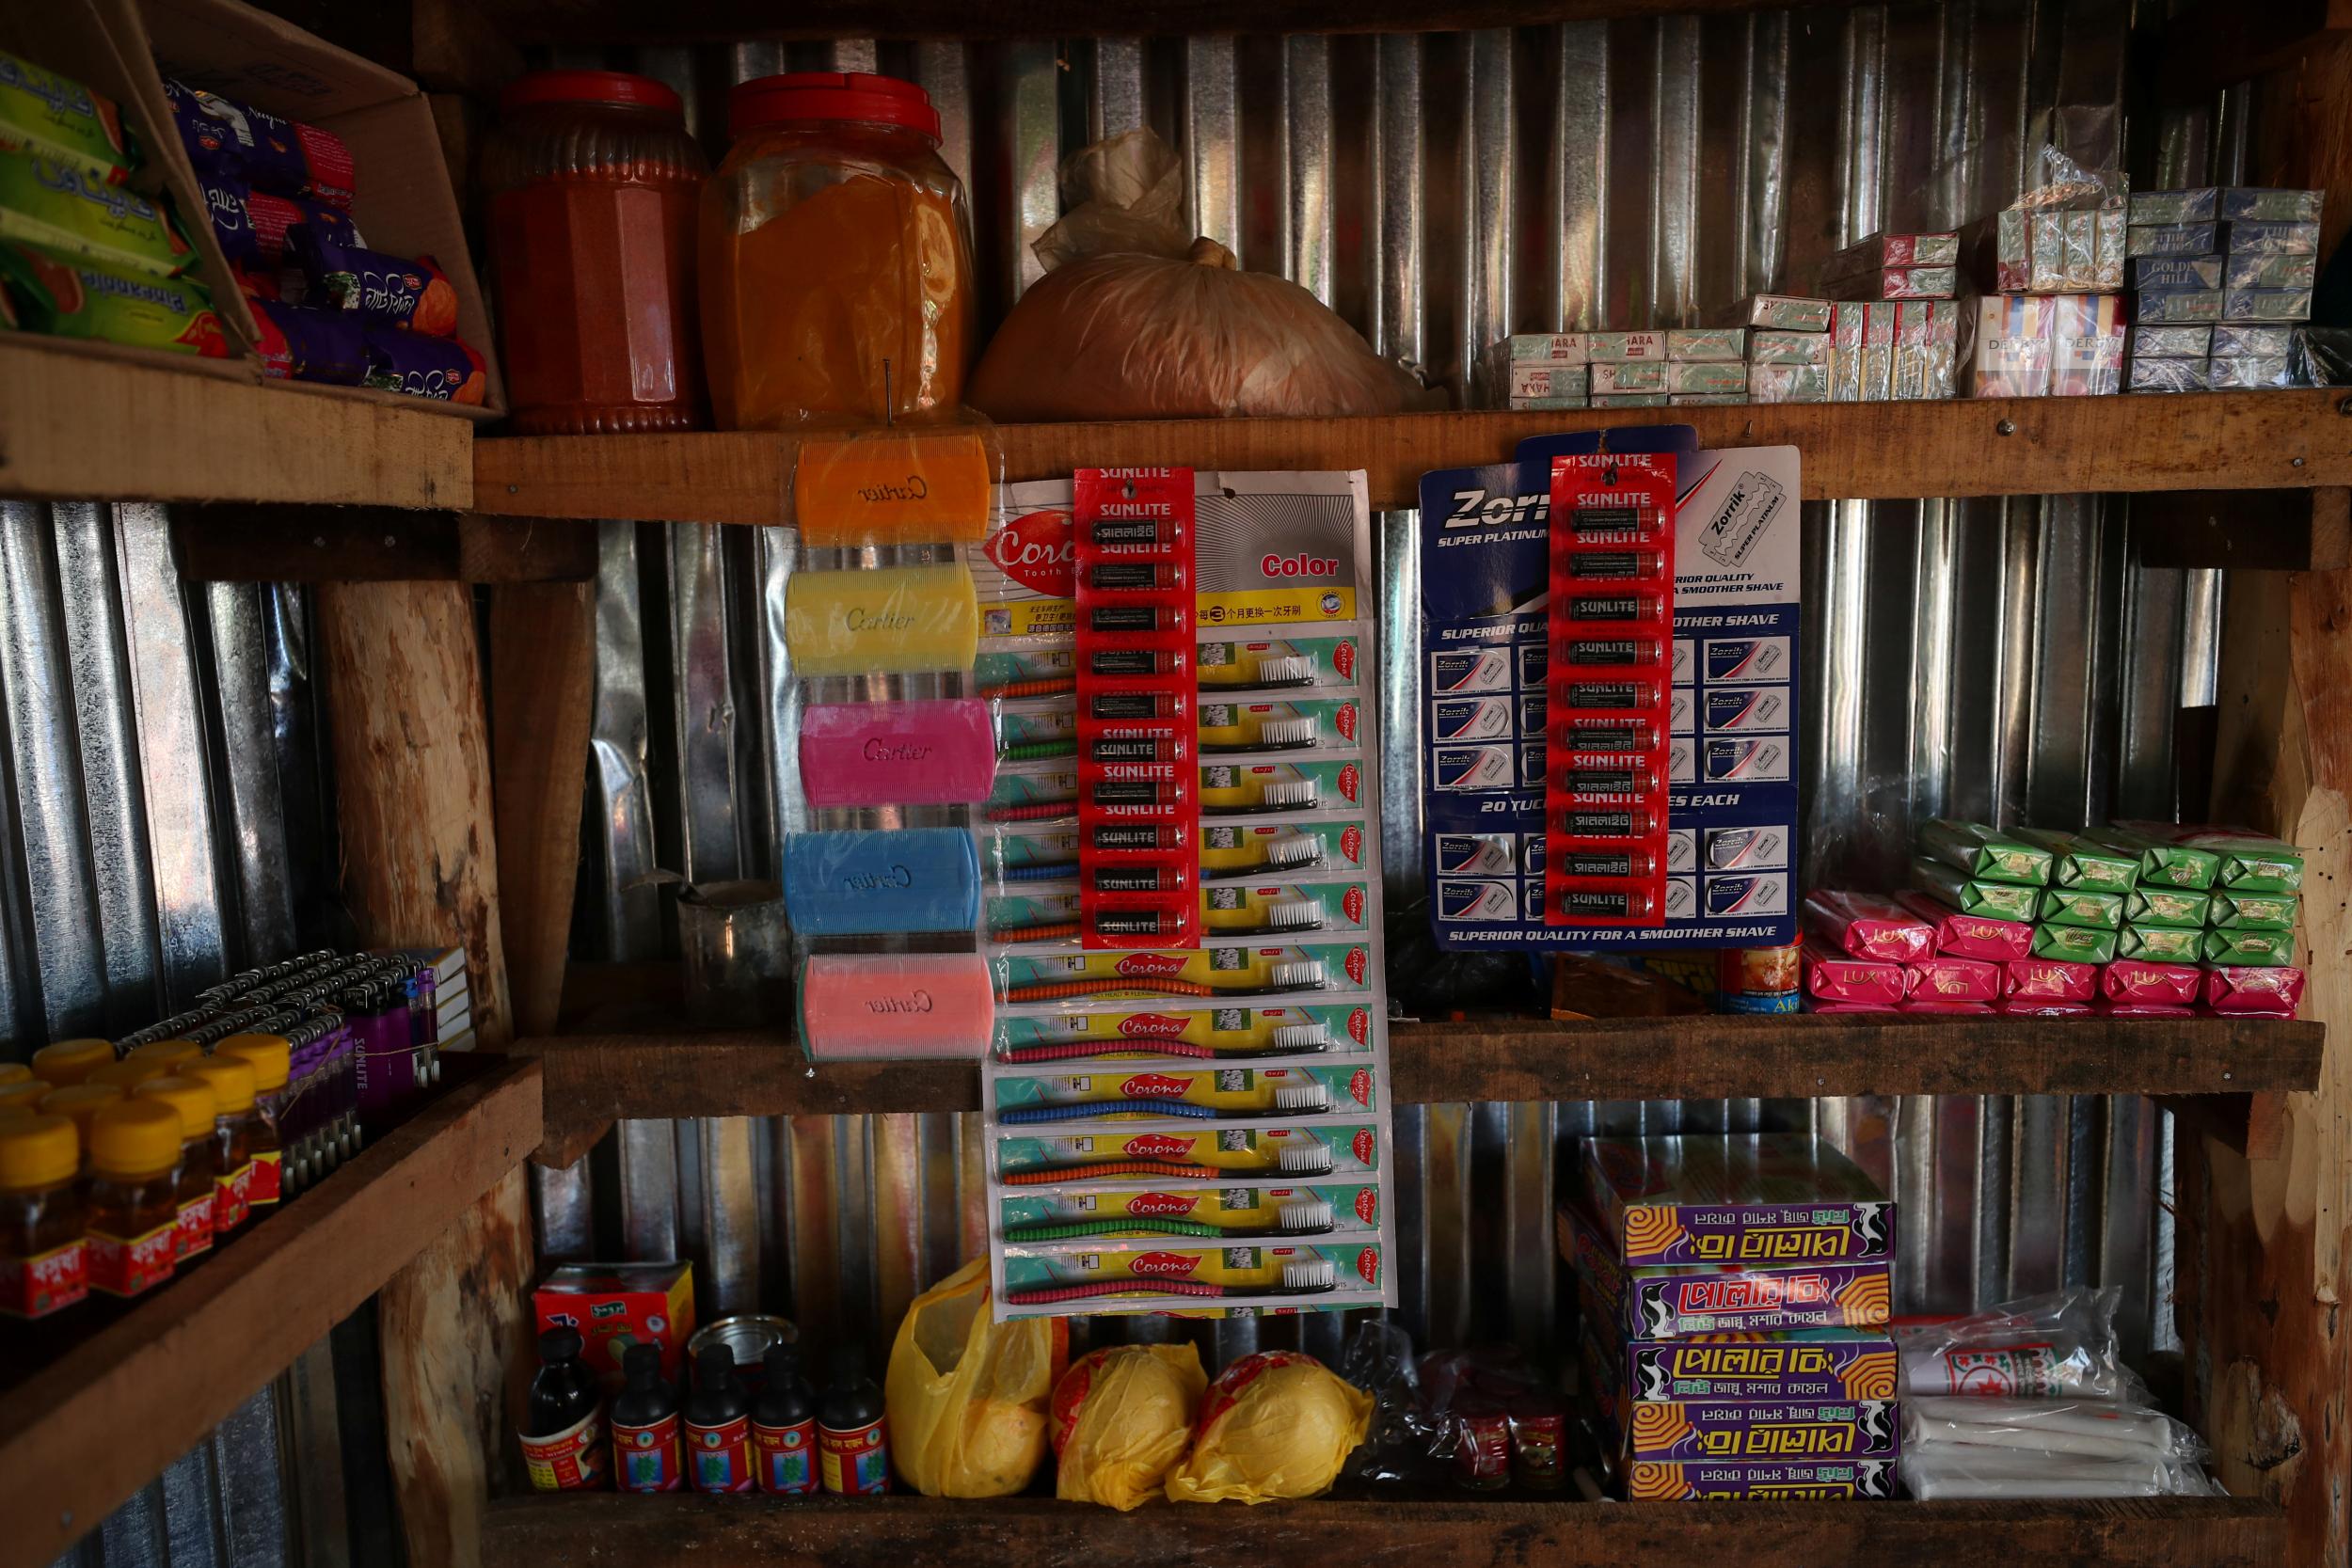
(615, 1306)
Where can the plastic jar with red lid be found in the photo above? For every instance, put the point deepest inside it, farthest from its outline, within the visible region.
(593, 184)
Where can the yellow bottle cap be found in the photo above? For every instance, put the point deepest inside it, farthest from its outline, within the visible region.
(135, 1138)
(27, 1094)
(78, 1102)
(16, 1112)
(230, 1081)
(128, 1073)
(166, 1051)
(192, 1098)
(268, 1054)
(15, 1072)
(71, 1061)
(38, 1151)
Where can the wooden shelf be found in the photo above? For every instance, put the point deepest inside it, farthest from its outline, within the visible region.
(596, 1079)
(82, 426)
(919, 1532)
(2214, 441)
(102, 1418)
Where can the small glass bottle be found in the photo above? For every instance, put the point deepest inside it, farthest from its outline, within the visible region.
(853, 1444)
(42, 1254)
(66, 1062)
(232, 1083)
(563, 1439)
(191, 1098)
(78, 1104)
(268, 1056)
(133, 1196)
(646, 1454)
(719, 1425)
(784, 1427)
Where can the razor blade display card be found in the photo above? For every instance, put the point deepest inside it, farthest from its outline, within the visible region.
(1729, 711)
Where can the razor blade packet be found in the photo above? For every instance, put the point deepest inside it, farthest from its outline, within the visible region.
(1728, 703)
(1653, 1302)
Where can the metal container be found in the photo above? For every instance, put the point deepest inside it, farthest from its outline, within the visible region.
(748, 1337)
(738, 961)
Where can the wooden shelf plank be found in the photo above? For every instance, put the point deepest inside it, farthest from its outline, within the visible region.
(2219, 43)
(2210, 442)
(85, 427)
(556, 1531)
(594, 1079)
(244, 543)
(94, 1423)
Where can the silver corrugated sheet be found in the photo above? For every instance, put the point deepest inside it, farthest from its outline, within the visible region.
(2003, 658)
(149, 730)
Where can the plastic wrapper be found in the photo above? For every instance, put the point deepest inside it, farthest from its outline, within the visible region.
(2085, 944)
(2173, 238)
(2176, 271)
(1121, 1419)
(282, 156)
(384, 290)
(2247, 375)
(2258, 238)
(73, 296)
(2176, 306)
(1868, 980)
(2171, 342)
(1629, 399)
(1277, 1424)
(2265, 305)
(2197, 205)
(1867, 926)
(2039, 979)
(1546, 386)
(2165, 375)
(2243, 340)
(2012, 347)
(1943, 980)
(1974, 895)
(2268, 270)
(2086, 1429)
(2275, 990)
(2059, 1346)
(1620, 347)
(63, 206)
(1641, 376)
(1772, 346)
(43, 111)
(2085, 345)
(1968, 936)
(414, 365)
(1895, 283)
(1935, 1472)
(1698, 345)
(1136, 319)
(1705, 377)
(1777, 383)
(966, 1396)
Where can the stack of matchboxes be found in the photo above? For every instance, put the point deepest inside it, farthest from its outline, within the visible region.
(1735, 1291)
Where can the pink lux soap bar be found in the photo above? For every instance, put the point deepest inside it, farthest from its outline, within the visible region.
(933, 751)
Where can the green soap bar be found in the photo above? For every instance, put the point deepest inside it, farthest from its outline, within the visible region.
(2162, 862)
(2074, 905)
(2243, 946)
(2075, 943)
(1985, 852)
(2235, 910)
(42, 111)
(2253, 864)
(2164, 906)
(62, 206)
(1974, 895)
(2079, 862)
(2170, 944)
(71, 296)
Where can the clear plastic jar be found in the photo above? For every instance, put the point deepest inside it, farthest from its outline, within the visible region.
(234, 1121)
(594, 185)
(836, 258)
(191, 1098)
(132, 1196)
(42, 1264)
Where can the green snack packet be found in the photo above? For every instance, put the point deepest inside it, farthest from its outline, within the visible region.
(2074, 944)
(62, 206)
(2079, 862)
(2169, 944)
(2162, 862)
(2242, 946)
(1985, 852)
(2251, 863)
(1973, 895)
(2235, 910)
(43, 112)
(2074, 905)
(71, 296)
(2164, 906)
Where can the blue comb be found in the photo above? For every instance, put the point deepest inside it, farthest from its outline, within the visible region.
(869, 882)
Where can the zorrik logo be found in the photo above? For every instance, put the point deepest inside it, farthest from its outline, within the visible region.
(1478, 507)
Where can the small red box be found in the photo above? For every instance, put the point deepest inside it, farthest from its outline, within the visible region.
(615, 1306)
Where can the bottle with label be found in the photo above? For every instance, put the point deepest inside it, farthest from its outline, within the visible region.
(269, 1056)
(719, 1425)
(133, 1196)
(232, 1083)
(566, 1415)
(853, 1444)
(193, 1099)
(646, 1454)
(43, 1260)
(784, 1427)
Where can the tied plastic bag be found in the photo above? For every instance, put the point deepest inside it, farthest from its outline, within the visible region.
(966, 1396)
(1122, 1418)
(1135, 319)
(1277, 1424)
(2056, 1346)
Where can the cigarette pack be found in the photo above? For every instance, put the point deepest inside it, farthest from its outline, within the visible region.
(1693, 343)
(2271, 239)
(1974, 895)
(1628, 400)
(1744, 1198)
(2000, 248)
(2187, 206)
(2171, 342)
(2084, 907)
(2247, 374)
(2173, 238)
(2085, 345)
(2165, 862)
(1785, 313)
(2172, 944)
(1658, 1480)
(1541, 348)
(1948, 978)
(2176, 271)
(1848, 321)
(1968, 936)
(1713, 375)
(2276, 989)
(1646, 1302)
(1798, 1365)
(2271, 206)
(2236, 909)
(2176, 306)
(2012, 347)
(1877, 351)
(1641, 376)
(1788, 383)
(1927, 349)
(2267, 305)
(2108, 250)
(1613, 347)
(1893, 251)
(2251, 948)
(1704, 399)
(1979, 850)
(1831, 978)
(2082, 945)
(1536, 383)
(1771, 346)
(2080, 862)
(2038, 979)
(2165, 375)
(1940, 282)
(1866, 926)
(2245, 340)
(2260, 270)
(2137, 980)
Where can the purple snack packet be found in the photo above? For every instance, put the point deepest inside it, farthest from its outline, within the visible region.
(253, 225)
(385, 290)
(444, 368)
(311, 345)
(281, 156)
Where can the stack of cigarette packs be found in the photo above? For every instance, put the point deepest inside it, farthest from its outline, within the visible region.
(2049, 345)
(1735, 1291)
(1894, 266)
(2220, 276)
(2053, 250)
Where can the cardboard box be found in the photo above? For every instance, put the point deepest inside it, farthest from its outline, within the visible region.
(615, 1306)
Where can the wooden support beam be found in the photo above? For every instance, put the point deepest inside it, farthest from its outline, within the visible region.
(2279, 531)
(543, 654)
(374, 544)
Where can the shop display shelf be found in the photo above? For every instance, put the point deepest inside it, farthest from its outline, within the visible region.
(594, 1079)
(1852, 451)
(555, 1532)
(77, 423)
(94, 1405)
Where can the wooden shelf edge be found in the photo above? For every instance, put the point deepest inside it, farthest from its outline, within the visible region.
(103, 1417)
(596, 1079)
(556, 1531)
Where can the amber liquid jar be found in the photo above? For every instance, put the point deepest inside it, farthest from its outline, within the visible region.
(134, 1203)
(42, 1257)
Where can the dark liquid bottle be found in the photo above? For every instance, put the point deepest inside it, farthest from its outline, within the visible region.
(719, 1425)
(563, 1440)
(853, 1444)
(645, 1450)
(784, 1427)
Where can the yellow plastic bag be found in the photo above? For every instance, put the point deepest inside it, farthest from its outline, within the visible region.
(1122, 1418)
(966, 1396)
(1277, 1424)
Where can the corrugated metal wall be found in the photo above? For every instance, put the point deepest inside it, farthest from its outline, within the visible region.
(2003, 658)
(161, 826)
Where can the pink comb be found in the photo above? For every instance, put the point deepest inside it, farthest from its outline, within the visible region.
(936, 752)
